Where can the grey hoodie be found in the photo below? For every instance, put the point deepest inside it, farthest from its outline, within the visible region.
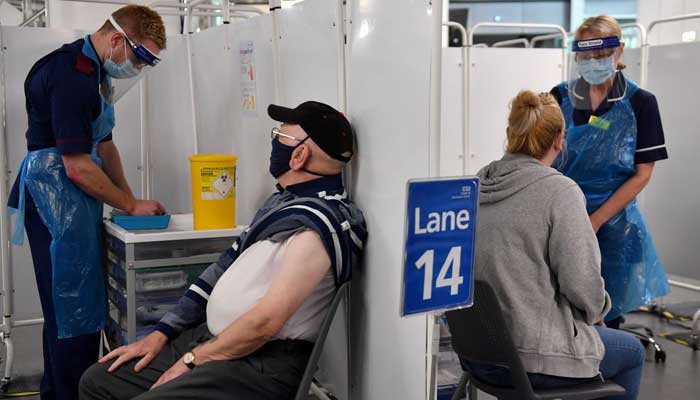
(537, 249)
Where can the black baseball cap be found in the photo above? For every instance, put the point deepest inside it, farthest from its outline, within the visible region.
(328, 127)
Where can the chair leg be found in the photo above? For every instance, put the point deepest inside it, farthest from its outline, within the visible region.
(459, 391)
(465, 385)
(317, 392)
(471, 391)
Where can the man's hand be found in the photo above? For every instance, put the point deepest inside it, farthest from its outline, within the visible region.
(179, 368)
(148, 348)
(146, 207)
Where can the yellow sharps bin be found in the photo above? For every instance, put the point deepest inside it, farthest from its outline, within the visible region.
(213, 190)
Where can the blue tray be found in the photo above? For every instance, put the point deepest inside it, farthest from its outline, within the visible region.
(138, 223)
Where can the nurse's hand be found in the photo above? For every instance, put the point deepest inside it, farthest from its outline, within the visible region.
(146, 207)
(148, 348)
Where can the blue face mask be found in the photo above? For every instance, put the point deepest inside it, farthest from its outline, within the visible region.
(281, 155)
(123, 70)
(279, 158)
(595, 71)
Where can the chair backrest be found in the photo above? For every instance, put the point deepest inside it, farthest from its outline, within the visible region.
(312, 365)
(480, 334)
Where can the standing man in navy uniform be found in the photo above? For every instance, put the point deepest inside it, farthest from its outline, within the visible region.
(71, 168)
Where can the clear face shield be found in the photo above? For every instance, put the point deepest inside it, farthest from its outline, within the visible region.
(139, 61)
(120, 87)
(592, 62)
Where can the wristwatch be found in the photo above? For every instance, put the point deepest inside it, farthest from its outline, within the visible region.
(188, 358)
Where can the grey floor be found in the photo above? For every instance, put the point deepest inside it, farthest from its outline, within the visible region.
(677, 379)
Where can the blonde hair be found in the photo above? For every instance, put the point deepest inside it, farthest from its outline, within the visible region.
(534, 123)
(140, 23)
(601, 26)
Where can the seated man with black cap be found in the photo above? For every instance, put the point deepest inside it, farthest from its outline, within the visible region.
(246, 327)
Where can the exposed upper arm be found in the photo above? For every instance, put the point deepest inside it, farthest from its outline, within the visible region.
(644, 170)
(304, 265)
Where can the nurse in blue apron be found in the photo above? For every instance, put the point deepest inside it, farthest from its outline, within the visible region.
(70, 169)
(614, 136)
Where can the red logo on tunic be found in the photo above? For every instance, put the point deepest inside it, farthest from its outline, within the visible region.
(84, 64)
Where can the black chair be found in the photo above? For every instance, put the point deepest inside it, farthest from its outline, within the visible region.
(479, 334)
(312, 365)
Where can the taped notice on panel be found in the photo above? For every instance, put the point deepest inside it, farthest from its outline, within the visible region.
(218, 183)
(249, 96)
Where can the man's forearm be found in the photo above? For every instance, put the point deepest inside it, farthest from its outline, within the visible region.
(112, 165)
(241, 338)
(90, 178)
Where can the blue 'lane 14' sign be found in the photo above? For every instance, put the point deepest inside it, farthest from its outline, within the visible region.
(439, 248)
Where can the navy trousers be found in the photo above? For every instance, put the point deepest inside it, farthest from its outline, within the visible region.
(65, 360)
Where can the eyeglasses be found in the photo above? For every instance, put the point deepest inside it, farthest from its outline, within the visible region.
(275, 132)
(144, 56)
(595, 54)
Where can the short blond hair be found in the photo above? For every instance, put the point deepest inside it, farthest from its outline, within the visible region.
(534, 123)
(601, 26)
(140, 23)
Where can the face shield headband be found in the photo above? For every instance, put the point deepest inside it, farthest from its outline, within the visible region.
(609, 42)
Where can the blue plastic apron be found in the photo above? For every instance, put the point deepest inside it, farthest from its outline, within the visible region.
(74, 220)
(600, 158)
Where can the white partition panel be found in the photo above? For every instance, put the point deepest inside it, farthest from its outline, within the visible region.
(251, 136)
(632, 59)
(22, 47)
(672, 198)
(214, 91)
(224, 125)
(453, 109)
(310, 42)
(309, 45)
(389, 106)
(496, 77)
(171, 128)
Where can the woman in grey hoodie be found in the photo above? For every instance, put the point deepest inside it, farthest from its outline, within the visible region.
(537, 249)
